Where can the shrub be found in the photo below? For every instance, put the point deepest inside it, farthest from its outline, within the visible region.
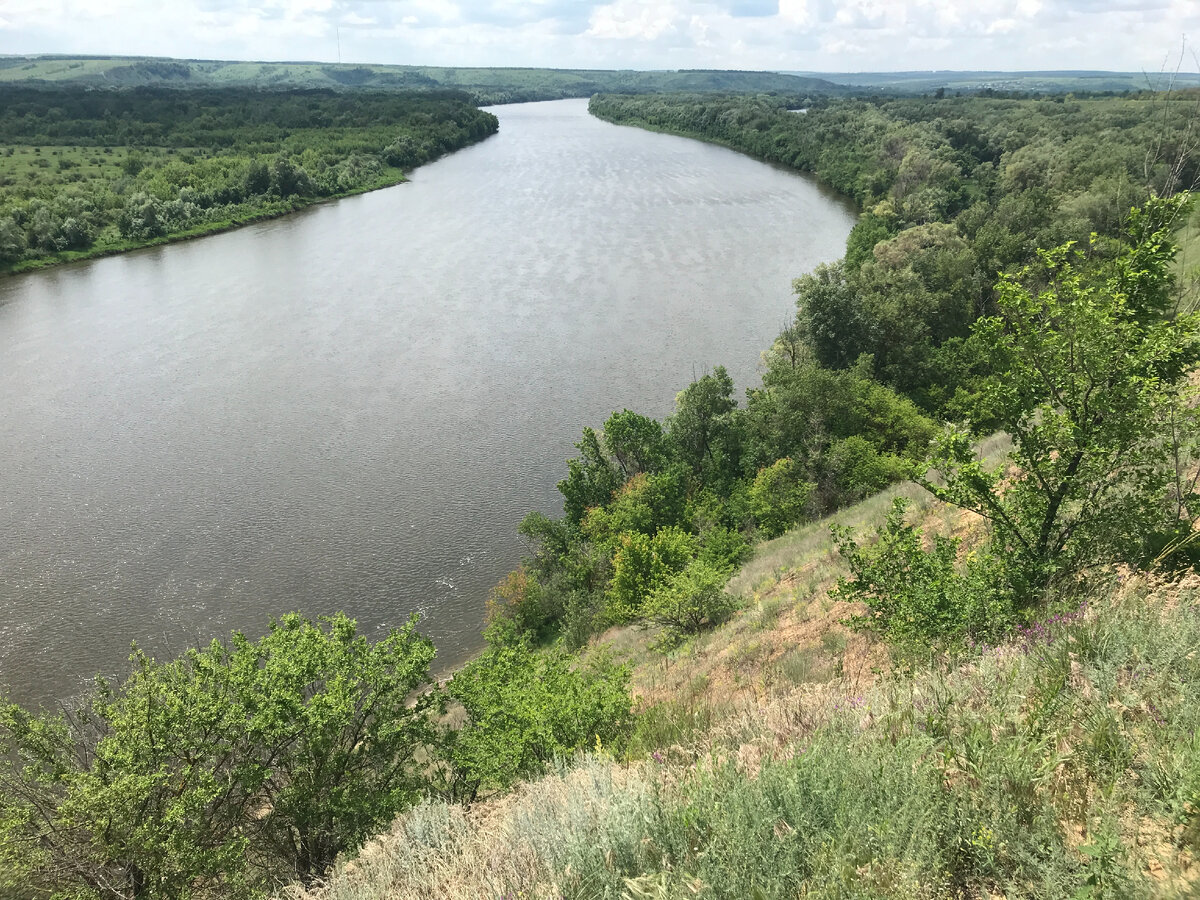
(779, 496)
(916, 596)
(525, 709)
(212, 773)
(691, 600)
(641, 564)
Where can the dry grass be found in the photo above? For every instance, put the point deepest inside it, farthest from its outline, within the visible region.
(499, 850)
(1130, 657)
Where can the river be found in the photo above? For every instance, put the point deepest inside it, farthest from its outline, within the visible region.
(352, 407)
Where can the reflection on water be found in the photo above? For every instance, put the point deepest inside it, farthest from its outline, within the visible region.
(351, 408)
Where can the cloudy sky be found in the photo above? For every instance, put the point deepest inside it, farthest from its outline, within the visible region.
(819, 35)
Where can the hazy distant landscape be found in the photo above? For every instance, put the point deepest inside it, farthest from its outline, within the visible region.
(489, 85)
(485, 85)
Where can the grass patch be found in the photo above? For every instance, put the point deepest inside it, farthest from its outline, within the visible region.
(1064, 764)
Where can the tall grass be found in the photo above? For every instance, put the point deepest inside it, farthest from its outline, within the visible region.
(1063, 764)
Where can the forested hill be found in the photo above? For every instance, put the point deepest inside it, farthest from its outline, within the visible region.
(485, 85)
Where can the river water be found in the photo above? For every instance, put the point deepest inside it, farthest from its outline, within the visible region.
(353, 407)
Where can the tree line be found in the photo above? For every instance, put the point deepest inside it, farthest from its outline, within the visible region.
(88, 170)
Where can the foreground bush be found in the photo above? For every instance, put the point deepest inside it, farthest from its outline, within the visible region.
(219, 772)
(918, 598)
(526, 709)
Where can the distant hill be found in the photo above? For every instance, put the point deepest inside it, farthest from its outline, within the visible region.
(1037, 82)
(486, 85)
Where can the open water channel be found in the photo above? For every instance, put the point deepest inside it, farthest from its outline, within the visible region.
(353, 407)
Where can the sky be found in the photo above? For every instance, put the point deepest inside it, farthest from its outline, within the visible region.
(790, 35)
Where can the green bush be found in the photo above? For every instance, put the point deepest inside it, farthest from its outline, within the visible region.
(691, 600)
(214, 774)
(918, 597)
(641, 565)
(779, 496)
(526, 709)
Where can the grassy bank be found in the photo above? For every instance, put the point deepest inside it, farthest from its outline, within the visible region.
(782, 756)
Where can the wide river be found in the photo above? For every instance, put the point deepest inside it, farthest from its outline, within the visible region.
(351, 408)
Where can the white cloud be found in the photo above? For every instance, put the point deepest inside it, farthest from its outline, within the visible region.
(642, 20)
(831, 35)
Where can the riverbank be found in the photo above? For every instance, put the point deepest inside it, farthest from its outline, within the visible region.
(199, 231)
(85, 174)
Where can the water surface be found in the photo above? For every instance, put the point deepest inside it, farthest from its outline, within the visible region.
(352, 407)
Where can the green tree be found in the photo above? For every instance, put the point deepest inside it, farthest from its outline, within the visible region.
(641, 564)
(1086, 376)
(779, 496)
(350, 719)
(690, 600)
(591, 479)
(831, 317)
(635, 442)
(12, 240)
(221, 770)
(703, 429)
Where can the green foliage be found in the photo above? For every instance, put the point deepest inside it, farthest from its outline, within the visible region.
(591, 479)
(245, 155)
(916, 597)
(526, 709)
(352, 727)
(690, 600)
(1085, 374)
(831, 319)
(635, 442)
(724, 548)
(221, 770)
(703, 429)
(856, 469)
(520, 600)
(779, 496)
(641, 564)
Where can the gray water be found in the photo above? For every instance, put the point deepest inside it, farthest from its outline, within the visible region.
(353, 407)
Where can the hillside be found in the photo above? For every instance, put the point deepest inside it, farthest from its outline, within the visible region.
(1030, 82)
(486, 85)
(782, 754)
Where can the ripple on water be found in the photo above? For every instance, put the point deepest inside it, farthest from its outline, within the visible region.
(354, 407)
